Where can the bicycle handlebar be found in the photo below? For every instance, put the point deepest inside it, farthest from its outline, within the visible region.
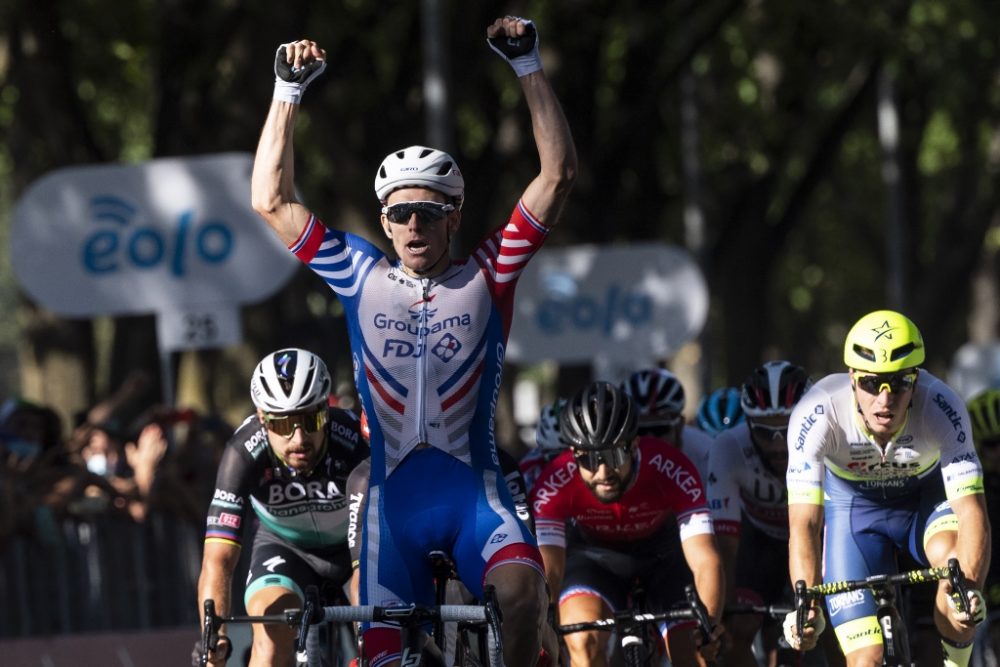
(448, 613)
(770, 610)
(695, 610)
(314, 614)
(952, 572)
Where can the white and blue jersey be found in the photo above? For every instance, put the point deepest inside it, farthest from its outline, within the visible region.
(428, 359)
(428, 352)
(878, 499)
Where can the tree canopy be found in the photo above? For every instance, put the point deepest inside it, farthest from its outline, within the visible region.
(781, 149)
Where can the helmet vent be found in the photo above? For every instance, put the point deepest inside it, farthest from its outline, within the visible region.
(864, 353)
(902, 351)
(445, 169)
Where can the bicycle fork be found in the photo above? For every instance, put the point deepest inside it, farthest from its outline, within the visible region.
(895, 639)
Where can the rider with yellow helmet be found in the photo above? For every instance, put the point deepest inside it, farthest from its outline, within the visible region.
(883, 457)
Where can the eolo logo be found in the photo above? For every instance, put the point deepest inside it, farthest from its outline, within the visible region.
(118, 244)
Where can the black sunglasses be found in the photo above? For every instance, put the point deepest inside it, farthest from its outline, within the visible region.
(768, 433)
(427, 211)
(613, 457)
(896, 382)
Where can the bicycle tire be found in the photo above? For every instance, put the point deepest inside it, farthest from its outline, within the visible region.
(633, 651)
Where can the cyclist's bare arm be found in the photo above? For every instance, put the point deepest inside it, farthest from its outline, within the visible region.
(805, 526)
(728, 550)
(272, 185)
(215, 581)
(973, 536)
(547, 193)
(703, 559)
(554, 559)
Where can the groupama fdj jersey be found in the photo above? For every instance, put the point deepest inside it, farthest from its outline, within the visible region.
(428, 352)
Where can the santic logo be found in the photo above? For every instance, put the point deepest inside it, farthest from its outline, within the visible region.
(122, 241)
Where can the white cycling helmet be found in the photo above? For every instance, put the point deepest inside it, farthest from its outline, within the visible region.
(290, 380)
(547, 431)
(420, 167)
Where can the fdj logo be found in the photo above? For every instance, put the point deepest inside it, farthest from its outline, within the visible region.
(108, 250)
(395, 347)
(586, 312)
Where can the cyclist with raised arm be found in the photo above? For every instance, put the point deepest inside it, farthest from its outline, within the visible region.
(660, 397)
(428, 336)
(288, 462)
(719, 411)
(746, 493)
(883, 454)
(608, 512)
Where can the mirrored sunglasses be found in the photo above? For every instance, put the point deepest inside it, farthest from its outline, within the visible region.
(613, 457)
(427, 211)
(897, 382)
(285, 425)
(767, 433)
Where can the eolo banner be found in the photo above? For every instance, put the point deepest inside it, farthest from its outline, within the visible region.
(172, 237)
(617, 303)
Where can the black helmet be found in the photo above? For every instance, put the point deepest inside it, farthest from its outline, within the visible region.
(598, 416)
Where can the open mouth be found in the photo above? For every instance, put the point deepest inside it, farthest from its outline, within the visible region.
(883, 417)
(416, 247)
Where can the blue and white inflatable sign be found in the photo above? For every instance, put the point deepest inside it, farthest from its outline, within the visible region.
(615, 302)
(167, 235)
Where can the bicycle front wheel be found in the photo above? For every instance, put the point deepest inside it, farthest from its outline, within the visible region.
(633, 651)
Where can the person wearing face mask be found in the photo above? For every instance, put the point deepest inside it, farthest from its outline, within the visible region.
(882, 461)
(29, 432)
(289, 463)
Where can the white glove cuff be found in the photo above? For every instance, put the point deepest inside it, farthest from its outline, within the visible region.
(527, 64)
(288, 91)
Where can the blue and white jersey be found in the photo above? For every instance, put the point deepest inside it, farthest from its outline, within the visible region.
(826, 433)
(427, 352)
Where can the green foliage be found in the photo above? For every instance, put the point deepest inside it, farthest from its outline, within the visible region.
(790, 166)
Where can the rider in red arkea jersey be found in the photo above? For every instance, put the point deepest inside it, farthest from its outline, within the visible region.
(607, 513)
(665, 487)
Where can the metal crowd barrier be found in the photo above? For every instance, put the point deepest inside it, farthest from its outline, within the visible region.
(100, 573)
